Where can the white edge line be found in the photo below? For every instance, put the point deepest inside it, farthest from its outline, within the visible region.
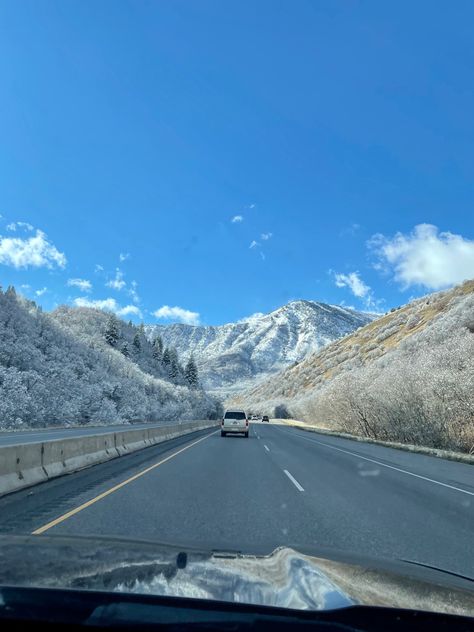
(294, 481)
(391, 467)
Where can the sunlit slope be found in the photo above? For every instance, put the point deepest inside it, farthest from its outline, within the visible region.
(412, 369)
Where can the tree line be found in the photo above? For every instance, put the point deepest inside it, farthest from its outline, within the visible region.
(166, 360)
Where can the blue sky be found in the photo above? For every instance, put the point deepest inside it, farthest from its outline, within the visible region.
(341, 133)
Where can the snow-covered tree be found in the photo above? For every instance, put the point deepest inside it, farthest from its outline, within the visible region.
(137, 342)
(58, 367)
(158, 349)
(191, 373)
(125, 350)
(111, 333)
(166, 361)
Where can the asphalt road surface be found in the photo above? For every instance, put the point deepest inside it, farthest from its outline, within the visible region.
(281, 486)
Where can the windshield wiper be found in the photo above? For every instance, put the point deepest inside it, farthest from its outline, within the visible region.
(437, 568)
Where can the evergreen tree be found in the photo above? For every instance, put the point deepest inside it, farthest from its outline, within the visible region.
(136, 342)
(191, 373)
(173, 368)
(125, 350)
(158, 349)
(166, 361)
(111, 333)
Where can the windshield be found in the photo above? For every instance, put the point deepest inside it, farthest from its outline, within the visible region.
(237, 293)
(234, 415)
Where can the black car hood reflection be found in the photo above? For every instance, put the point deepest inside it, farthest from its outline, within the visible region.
(285, 578)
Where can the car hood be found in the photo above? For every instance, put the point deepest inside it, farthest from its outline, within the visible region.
(285, 578)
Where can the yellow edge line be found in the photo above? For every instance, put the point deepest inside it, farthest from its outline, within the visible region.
(75, 511)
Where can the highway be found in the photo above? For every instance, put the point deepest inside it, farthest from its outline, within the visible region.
(49, 434)
(281, 486)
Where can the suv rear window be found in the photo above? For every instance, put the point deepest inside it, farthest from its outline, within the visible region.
(237, 414)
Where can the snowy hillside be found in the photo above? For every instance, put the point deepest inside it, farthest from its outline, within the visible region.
(232, 355)
(408, 376)
(80, 365)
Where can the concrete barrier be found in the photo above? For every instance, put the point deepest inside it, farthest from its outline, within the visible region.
(25, 465)
(62, 456)
(20, 466)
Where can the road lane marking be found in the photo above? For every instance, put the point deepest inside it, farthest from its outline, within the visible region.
(75, 511)
(266, 448)
(294, 481)
(391, 467)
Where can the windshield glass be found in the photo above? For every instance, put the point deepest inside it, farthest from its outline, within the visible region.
(237, 297)
(234, 415)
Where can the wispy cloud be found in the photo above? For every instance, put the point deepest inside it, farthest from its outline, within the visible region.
(123, 256)
(237, 219)
(251, 206)
(108, 304)
(350, 230)
(361, 290)
(117, 283)
(98, 268)
(177, 314)
(254, 244)
(83, 284)
(353, 282)
(13, 226)
(35, 252)
(132, 290)
(41, 292)
(425, 257)
(266, 236)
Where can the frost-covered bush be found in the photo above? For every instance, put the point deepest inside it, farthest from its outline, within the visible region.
(59, 368)
(420, 391)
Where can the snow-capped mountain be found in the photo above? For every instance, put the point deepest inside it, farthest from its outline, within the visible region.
(232, 355)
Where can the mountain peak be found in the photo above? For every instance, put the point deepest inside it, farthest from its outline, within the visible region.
(232, 356)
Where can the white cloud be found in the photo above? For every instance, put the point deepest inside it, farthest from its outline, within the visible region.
(83, 284)
(108, 304)
(353, 282)
(254, 244)
(252, 205)
(123, 256)
(117, 283)
(252, 317)
(237, 219)
(14, 225)
(98, 268)
(25, 286)
(35, 251)
(425, 257)
(129, 310)
(177, 313)
(133, 292)
(266, 236)
(41, 292)
(262, 256)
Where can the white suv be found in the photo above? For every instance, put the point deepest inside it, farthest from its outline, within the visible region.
(235, 421)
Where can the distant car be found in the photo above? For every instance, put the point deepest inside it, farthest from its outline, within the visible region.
(235, 421)
(265, 418)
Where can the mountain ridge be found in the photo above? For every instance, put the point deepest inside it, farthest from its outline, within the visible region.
(230, 355)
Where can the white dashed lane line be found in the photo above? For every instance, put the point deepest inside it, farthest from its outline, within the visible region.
(390, 467)
(294, 481)
(266, 448)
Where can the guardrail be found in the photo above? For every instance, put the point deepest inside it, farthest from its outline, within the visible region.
(32, 463)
